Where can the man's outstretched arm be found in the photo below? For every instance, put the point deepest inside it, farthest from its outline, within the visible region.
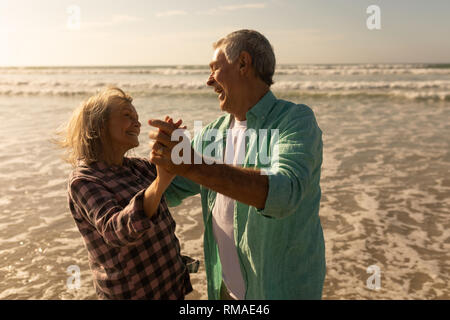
(245, 185)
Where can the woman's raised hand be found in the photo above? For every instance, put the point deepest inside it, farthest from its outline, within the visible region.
(165, 176)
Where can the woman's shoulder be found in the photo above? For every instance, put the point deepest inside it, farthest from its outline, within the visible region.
(84, 171)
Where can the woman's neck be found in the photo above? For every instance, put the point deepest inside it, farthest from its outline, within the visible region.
(114, 158)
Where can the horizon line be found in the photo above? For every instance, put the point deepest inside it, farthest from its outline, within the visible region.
(205, 65)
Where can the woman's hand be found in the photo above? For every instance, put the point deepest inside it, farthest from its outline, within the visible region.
(165, 177)
(153, 194)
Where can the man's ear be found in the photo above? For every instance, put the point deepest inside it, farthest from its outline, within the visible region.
(245, 62)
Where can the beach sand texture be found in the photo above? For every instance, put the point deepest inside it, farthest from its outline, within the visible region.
(385, 177)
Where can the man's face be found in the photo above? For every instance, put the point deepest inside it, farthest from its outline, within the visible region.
(224, 78)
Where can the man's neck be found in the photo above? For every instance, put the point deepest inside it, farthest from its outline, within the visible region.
(254, 96)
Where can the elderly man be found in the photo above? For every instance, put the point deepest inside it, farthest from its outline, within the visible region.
(263, 237)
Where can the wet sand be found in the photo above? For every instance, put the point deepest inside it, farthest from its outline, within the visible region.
(386, 201)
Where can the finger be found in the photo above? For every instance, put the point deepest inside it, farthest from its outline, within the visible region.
(156, 159)
(160, 137)
(164, 126)
(162, 151)
(155, 148)
(166, 153)
(158, 148)
(168, 120)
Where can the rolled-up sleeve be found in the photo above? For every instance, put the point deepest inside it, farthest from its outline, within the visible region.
(299, 159)
(118, 226)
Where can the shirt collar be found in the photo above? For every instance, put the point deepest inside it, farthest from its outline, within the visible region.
(261, 109)
(256, 113)
(103, 166)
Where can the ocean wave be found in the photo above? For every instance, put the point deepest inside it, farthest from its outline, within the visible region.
(400, 94)
(360, 71)
(189, 70)
(408, 95)
(78, 82)
(362, 85)
(61, 86)
(282, 69)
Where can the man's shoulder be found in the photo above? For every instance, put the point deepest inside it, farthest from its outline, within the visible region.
(289, 108)
(288, 114)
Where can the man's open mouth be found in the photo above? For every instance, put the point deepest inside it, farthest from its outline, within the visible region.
(220, 92)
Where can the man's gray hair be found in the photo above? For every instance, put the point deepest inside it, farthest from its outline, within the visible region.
(259, 48)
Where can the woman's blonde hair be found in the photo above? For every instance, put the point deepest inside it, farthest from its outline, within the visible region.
(86, 133)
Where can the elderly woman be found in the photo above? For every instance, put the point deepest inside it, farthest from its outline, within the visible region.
(118, 205)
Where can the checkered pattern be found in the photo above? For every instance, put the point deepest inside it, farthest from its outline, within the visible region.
(131, 256)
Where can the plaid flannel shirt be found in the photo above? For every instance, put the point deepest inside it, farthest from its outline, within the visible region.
(131, 256)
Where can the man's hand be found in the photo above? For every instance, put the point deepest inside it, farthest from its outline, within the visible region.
(162, 148)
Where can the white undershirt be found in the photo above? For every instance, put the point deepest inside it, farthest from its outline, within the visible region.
(223, 215)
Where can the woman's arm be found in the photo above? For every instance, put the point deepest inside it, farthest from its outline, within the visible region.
(153, 194)
(118, 225)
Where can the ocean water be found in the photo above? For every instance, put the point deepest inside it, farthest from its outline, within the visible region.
(385, 175)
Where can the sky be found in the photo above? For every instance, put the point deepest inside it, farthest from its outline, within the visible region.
(147, 32)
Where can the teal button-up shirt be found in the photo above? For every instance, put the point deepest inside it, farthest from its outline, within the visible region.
(281, 248)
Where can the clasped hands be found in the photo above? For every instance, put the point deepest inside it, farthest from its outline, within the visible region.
(162, 145)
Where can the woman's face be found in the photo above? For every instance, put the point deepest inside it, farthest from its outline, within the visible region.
(124, 127)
